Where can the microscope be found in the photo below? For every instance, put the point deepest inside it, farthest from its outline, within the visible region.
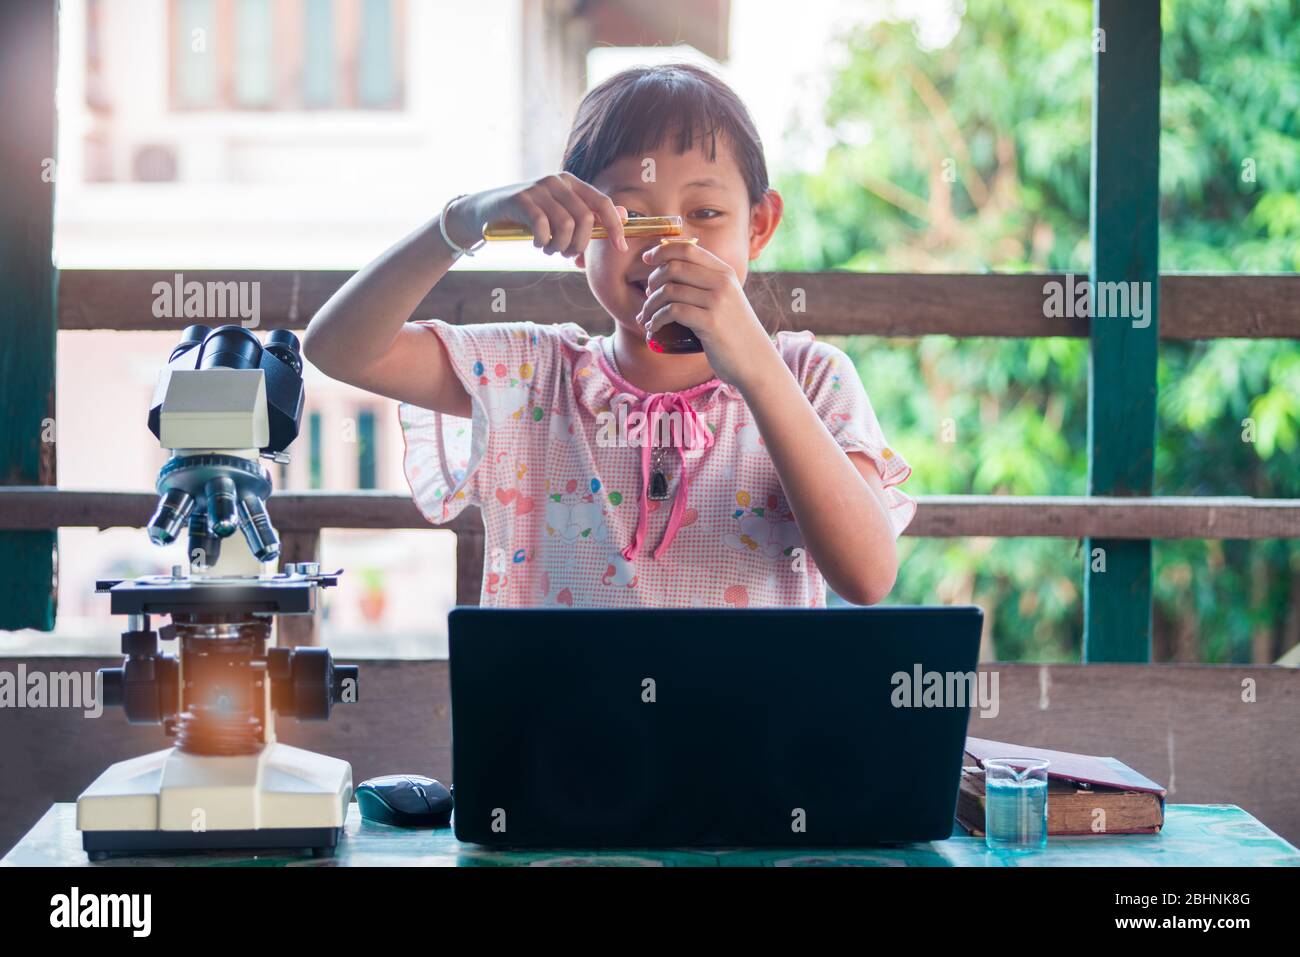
(223, 402)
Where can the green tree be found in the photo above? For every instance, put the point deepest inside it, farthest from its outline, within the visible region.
(975, 156)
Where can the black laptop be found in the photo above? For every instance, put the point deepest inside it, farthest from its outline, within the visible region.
(818, 728)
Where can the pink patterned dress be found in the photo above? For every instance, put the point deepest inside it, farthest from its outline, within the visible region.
(553, 457)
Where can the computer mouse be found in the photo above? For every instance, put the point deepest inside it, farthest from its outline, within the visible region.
(405, 800)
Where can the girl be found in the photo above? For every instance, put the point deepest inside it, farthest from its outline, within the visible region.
(773, 477)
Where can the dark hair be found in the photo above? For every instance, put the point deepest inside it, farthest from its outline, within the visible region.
(638, 109)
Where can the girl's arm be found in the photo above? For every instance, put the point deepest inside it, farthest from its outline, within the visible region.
(360, 336)
(838, 501)
(836, 497)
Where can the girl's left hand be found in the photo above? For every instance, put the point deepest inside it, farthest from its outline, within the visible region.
(692, 286)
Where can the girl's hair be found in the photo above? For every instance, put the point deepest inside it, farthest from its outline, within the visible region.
(637, 110)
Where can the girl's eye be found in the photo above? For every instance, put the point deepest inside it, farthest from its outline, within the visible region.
(712, 213)
(634, 215)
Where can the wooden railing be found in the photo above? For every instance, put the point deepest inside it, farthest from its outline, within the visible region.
(838, 303)
(1192, 307)
(299, 517)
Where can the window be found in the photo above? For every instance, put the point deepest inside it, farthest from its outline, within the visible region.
(366, 450)
(314, 453)
(287, 55)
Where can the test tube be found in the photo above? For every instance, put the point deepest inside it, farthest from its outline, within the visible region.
(641, 226)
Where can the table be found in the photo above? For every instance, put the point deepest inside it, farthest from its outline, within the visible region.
(1193, 835)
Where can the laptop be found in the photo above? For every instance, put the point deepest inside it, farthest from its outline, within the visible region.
(709, 727)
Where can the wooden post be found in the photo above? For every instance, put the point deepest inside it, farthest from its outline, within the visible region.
(470, 545)
(1124, 224)
(28, 63)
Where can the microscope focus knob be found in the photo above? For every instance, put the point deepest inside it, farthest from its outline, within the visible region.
(111, 687)
(306, 683)
(346, 684)
(313, 683)
(146, 688)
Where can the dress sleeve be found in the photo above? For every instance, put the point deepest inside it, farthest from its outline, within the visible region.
(451, 462)
(834, 388)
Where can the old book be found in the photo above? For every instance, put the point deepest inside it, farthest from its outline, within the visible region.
(1086, 794)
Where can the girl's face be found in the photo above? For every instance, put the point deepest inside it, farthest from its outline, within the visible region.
(713, 202)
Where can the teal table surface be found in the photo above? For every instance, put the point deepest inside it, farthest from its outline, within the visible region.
(1195, 835)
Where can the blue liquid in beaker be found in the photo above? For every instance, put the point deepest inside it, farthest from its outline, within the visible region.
(1015, 814)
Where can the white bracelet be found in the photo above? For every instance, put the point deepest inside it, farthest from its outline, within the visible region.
(442, 226)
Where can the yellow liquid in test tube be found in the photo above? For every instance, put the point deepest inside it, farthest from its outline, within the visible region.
(642, 226)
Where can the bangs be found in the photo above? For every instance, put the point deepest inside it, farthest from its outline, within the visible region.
(641, 110)
(647, 115)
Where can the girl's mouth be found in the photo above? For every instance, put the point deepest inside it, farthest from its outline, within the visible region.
(639, 285)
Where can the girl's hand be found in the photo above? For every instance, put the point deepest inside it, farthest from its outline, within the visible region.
(561, 210)
(692, 286)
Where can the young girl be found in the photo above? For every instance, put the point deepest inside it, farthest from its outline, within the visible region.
(774, 477)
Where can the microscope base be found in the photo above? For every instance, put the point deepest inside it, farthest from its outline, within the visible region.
(281, 797)
(100, 845)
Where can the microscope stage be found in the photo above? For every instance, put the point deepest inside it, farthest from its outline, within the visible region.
(163, 594)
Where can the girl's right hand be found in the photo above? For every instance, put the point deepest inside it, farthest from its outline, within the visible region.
(560, 209)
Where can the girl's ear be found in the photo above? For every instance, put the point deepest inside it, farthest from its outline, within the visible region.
(763, 220)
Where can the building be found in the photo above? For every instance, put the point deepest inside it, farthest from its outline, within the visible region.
(307, 134)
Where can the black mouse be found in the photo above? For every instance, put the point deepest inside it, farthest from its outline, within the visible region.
(405, 800)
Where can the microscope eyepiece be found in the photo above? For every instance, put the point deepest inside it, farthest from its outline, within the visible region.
(191, 336)
(284, 345)
(231, 347)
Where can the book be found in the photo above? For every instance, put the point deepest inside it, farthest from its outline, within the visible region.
(1086, 794)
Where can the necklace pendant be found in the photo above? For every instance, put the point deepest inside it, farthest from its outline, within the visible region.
(658, 486)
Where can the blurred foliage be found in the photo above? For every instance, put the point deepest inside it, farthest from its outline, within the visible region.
(975, 156)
